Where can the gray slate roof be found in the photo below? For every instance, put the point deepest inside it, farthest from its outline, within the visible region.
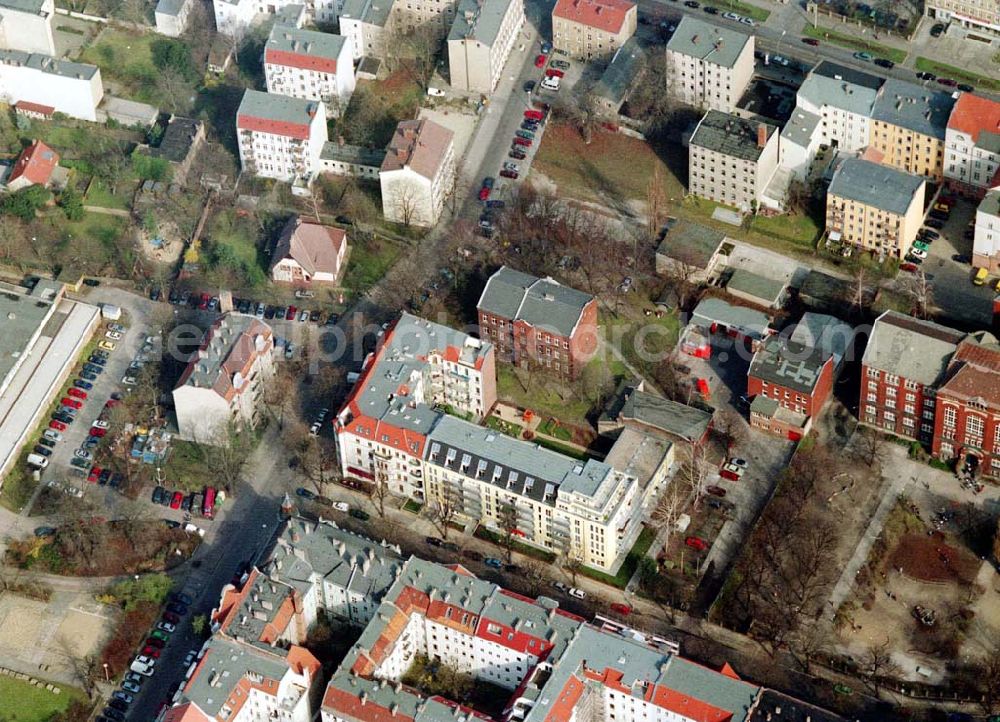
(356, 154)
(914, 107)
(788, 364)
(272, 106)
(875, 185)
(24, 6)
(699, 39)
(991, 203)
(910, 348)
(840, 87)
(671, 417)
(617, 78)
(479, 20)
(170, 7)
(730, 135)
(715, 310)
(749, 283)
(48, 64)
(800, 127)
(177, 140)
(305, 42)
(372, 12)
(691, 243)
(541, 302)
(824, 331)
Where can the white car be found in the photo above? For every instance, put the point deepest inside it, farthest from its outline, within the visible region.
(436, 92)
(314, 429)
(146, 670)
(100, 424)
(560, 586)
(747, 21)
(341, 506)
(52, 435)
(113, 335)
(578, 593)
(128, 380)
(75, 491)
(917, 253)
(145, 661)
(551, 83)
(166, 627)
(83, 454)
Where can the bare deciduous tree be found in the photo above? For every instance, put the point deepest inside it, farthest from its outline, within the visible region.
(878, 664)
(444, 509)
(405, 198)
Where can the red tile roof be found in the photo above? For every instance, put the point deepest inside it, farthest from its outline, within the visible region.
(298, 60)
(973, 114)
(35, 164)
(606, 15)
(30, 107)
(188, 712)
(299, 131)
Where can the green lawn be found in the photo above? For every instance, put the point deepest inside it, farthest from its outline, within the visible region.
(797, 228)
(950, 71)
(412, 506)
(185, 466)
(646, 538)
(542, 397)
(18, 486)
(99, 195)
(125, 56)
(21, 702)
(550, 427)
(520, 547)
(368, 262)
(745, 9)
(856, 42)
(563, 449)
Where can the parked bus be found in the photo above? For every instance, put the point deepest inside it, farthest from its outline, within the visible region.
(208, 506)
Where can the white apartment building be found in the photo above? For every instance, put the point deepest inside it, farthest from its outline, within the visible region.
(365, 23)
(26, 25)
(800, 141)
(972, 146)
(479, 42)
(66, 87)
(585, 509)
(171, 17)
(986, 243)
(974, 15)
(280, 137)
(310, 65)
(732, 160)
(224, 382)
(382, 429)
(844, 100)
(418, 173)
(708, 66)
(234, 17)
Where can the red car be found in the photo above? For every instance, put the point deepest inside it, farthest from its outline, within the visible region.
(534, 115)
(77, 393)
(553, 73)
(154, 642)
(111, 403)
(203, 302)
(94, 475)
(622, 609)
(484, 193)
(811, 41)
(910, 267)
(948, 82)
(696, 543)
(508, 174)
(72, 403)
(57, 425)
(97, 431)
(171, 617)
(715, 490)
(290, 314)
(522, 141)
(175, 503)
(150, 651)
(540, 61)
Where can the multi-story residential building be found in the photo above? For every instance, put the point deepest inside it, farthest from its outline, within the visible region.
(365, 22)
(171, 17)
(280, 137)
(986, 242)
(731, 160)
(310, 65)
(800, 141)
(708, 66)
(972, 146)
(976, 15)
(307, 253)
(237, 681)
(874, 207)
(843, 98)
(26, 25)
(430, 18)
(903, 366)
(788, 375)
(234, 17)
(419, 368)
(908, 127)
(538, 322)
(418, 173)
(592, 29)
(42, 80)
(967, 421)
(223, 384)
(587, 510)
(479, 42)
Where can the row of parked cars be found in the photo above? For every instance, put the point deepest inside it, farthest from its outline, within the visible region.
(259, 309)
(144, 664)
(195, 502)
(71, 404)
(930, 232)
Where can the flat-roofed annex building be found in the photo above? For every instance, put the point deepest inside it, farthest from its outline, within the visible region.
(708, 66)
(593, 29)
(874, 207)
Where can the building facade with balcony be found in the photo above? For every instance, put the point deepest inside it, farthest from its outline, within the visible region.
(908, 127)
(222, 388)
(708, 66)
(585, 510)
(972, 146)
(280, 137)
(903, 366)
(593, 29)
(310, 65)
(731, 160)
(420, 371)
(538, 323)
(874, 207)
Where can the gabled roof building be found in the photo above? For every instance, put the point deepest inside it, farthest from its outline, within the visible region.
(34, 167)
(972, 147)
(417, 173)
(708, 66)
(307, 253)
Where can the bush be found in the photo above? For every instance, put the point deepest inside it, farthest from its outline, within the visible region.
(149, 168)
(173, 55)
(131, 593)
(71, 202)
(25, 203)
(118, 650)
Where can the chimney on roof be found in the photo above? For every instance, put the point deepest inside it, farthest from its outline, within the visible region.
(761, 135)
(694, 40)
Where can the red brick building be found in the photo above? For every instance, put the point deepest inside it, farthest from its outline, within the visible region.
(967, 422)
(790, 382)
(538, 321)
(903, 366)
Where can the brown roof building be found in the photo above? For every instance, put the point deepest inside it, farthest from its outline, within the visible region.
(418, 172)
(308, 253)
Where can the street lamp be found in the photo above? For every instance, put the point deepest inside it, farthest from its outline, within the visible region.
(106, 677)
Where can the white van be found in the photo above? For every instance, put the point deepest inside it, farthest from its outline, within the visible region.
(37, 460)
(551, 83)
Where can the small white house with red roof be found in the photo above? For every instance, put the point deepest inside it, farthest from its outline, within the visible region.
(35, 166)
(308, 253)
